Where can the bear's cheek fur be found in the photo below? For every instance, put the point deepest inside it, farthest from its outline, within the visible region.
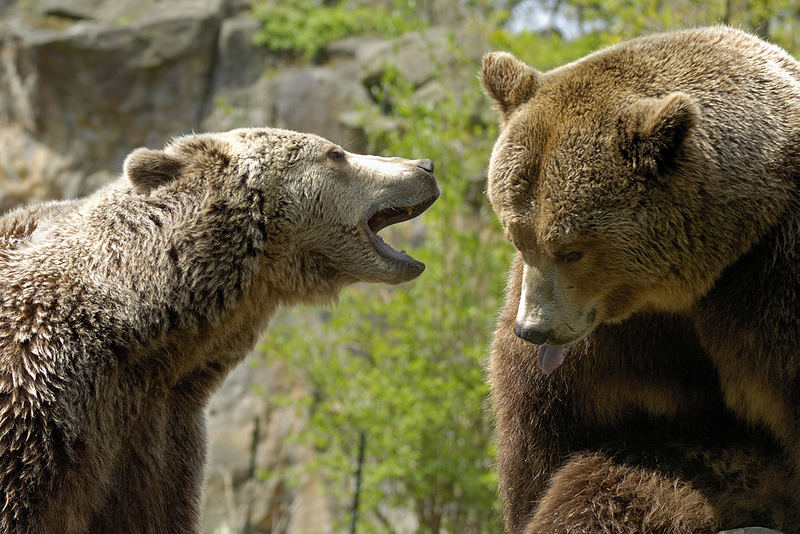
(609, 280)
(593, 284)
(624, 281)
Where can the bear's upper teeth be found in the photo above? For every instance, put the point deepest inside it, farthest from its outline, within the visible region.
(389, 216)
(384, 217)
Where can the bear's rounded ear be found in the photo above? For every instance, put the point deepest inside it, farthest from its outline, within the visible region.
(652, 130)
(148, 169)
(507, 81)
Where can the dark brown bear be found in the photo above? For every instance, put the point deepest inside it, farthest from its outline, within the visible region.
(651, 190)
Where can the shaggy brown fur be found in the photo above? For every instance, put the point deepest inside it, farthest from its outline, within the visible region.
(652, 191)
(122, 312)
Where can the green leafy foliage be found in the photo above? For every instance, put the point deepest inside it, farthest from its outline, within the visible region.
(406, 364)
(616, 20)
(629, 17)
(549, 50)
(307, 26)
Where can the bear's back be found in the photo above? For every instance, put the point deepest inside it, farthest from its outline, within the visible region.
(701, 59)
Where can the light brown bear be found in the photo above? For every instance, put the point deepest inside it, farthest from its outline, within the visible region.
(121, 313)
(652, 191)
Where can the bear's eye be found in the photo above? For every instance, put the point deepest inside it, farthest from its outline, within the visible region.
(335, 154)
(569, 256)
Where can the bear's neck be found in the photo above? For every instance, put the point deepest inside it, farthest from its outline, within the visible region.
(191, 272)
(187, 285)
(746, 304)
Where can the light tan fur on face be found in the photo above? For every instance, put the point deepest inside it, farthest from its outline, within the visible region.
(122, 312)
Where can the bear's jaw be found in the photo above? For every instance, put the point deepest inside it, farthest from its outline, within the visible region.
(404, 266)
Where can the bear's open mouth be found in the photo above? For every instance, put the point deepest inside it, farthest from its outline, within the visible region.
(392, 215)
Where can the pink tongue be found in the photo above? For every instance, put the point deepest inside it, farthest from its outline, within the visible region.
(549, 357)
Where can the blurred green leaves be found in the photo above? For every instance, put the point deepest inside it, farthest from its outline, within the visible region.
(305, 27)
(405, 364)
(616, 20)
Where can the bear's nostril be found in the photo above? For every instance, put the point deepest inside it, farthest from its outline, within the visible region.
(425, 165)
(537, 337)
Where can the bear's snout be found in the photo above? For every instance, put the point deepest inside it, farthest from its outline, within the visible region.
(532, 335)
(425, 165)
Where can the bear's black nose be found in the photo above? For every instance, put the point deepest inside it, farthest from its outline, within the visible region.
(532, 335)
(425, 165)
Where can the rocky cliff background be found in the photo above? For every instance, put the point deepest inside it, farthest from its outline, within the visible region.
(83, 82)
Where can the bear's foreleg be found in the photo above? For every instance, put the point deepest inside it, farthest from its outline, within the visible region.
(592, 493)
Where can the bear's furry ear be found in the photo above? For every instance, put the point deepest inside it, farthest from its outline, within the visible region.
(148, 169)
(652, 131)
(507, 81)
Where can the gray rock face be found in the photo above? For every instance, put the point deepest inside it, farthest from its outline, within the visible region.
(420, 56)
(314, 100)
(83, 96)
(249, 439)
